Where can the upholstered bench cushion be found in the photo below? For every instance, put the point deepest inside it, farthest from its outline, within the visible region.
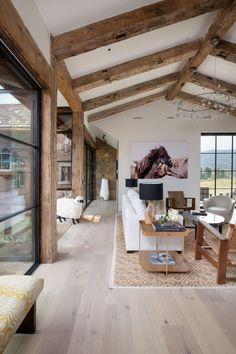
(17, 295)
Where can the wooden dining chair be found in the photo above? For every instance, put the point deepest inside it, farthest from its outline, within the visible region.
(218, 249)
(177, 200)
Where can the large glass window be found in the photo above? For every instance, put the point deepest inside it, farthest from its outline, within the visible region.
(19, 167)
(64, 152)
(218, 165)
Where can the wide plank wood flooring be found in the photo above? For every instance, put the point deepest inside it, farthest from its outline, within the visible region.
(77, 313)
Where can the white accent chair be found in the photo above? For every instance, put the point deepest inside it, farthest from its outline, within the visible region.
(220, 205)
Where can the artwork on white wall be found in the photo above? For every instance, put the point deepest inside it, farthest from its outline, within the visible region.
(158, 159)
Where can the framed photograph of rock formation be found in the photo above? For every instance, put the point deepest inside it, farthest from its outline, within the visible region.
(159, 159)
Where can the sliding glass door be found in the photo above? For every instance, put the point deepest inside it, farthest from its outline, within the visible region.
(19, 167)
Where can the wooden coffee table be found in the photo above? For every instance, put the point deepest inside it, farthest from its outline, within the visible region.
(148, 231)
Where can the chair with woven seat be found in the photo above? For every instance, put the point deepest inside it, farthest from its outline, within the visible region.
(218, 249)
(177, 200)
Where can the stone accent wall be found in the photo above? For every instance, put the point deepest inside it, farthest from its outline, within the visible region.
(106, 157)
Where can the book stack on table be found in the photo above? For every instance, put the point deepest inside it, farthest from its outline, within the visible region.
(161, 258)
(168, 226)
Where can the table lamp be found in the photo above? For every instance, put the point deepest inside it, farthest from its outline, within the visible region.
(150, 192)
(131, 182)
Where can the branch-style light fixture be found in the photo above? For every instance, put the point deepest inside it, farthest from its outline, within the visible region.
(215, 99)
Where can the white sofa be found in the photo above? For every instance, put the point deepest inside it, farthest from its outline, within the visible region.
(132, 211)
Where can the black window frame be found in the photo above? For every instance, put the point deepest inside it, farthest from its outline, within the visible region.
(232, 171)
(33, 86)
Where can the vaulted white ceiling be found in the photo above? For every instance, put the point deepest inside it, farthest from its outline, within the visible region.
(61, 16)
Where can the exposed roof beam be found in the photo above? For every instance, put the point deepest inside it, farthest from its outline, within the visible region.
(225, 50)
(221, 24)
(65, 87)
(129, 24)
(199, 101)
(128, 92)
(64, 110)
(126, 106)
(214, 84)
(137, 66)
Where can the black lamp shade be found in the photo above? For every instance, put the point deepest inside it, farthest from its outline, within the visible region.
(131, 182)
(148, 191)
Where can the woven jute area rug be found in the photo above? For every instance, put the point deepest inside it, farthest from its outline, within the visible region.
(127, 272)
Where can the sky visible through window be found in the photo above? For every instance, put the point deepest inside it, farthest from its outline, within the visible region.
(7, 98)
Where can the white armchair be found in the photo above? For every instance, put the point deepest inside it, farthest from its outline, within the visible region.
(220, 205)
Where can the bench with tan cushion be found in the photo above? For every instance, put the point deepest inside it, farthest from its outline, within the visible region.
(18, 294)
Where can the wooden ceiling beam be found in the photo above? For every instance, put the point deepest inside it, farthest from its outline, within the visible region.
(225, 50)
(137, 66)
(129, 24)
(214, 84)
(88, 137)
(221, 24)
(17, 37)
(126, 106)
(66, 89)
(200, 102)
(129, 92)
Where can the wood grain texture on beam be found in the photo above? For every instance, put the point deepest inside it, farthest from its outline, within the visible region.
(64, 110)
(66, 89)
(77, 153)
(137, 66)
(225, 50)
(48, 185)
(221, 24)
(129, 24)
(19, 40)
(200, 101)
(88, 137)
(129, 92)
(214, 84)
(126, 106)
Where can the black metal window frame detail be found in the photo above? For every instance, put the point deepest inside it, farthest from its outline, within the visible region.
(88, 149)
(35, 89)
(215, 154)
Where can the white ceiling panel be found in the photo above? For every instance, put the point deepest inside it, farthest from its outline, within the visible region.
(218, 68)
(62, 16)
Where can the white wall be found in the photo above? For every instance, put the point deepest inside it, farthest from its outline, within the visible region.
(32, 19)
(155, 126)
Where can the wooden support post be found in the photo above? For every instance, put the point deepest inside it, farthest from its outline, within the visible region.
(77, 153)
(48, 170)
(222, 262)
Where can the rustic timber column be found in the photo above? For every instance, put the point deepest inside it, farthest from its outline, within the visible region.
(48, 240)
(77, 153)
(17, 37)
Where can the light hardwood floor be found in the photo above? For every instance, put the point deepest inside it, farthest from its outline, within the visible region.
(77, 313)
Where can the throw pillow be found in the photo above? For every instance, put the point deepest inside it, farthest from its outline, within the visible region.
(139, 207)
(132, 195)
